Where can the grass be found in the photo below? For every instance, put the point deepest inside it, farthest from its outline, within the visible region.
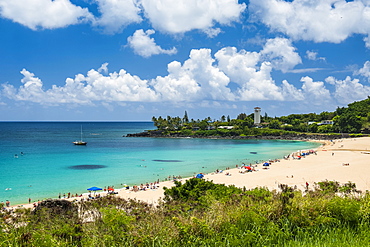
(199, 213)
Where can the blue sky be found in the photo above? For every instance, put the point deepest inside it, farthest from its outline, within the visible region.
(111, 60)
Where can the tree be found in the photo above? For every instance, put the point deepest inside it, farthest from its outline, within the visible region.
(154, 119)
(348, 123)
(275, 124)
(241, 116)
(186, 118)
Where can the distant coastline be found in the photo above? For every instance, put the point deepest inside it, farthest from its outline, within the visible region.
(298, 137)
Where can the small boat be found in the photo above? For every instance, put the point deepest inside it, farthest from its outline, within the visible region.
(80, 142)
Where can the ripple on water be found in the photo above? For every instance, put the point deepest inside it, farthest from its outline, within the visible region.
(86, 167)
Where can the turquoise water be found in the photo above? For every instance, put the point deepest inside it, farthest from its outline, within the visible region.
(51, 164)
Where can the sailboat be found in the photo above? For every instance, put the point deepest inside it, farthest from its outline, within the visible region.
(80, 142)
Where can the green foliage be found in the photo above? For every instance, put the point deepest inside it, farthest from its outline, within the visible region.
(200, 213)
(328, 187)
(198, 192)
(275, 124)
(352, 119)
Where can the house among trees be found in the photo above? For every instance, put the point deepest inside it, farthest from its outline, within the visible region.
(325, 122)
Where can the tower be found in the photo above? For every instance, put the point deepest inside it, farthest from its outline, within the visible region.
(257, 116)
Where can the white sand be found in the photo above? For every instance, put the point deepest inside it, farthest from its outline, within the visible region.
(313, 168)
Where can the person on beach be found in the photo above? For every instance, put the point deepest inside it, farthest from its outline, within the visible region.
(7, 203)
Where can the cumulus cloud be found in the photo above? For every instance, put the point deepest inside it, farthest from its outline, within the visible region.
(82, 89)
(364, 71)
(290, 92)
(145, 46)
(197, 79)
(165, 15)
(303, 20)
(184, 15)
(44, 14)
(200, 78)
(252, 70)
(315, 91)
(281, 53)
(116, 15)
(348, 90)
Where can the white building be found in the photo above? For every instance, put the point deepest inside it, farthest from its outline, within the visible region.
(257, 116)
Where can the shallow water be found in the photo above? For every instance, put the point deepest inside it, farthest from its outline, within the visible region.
(38, 159)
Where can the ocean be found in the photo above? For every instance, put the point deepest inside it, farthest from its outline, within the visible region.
(39, 161)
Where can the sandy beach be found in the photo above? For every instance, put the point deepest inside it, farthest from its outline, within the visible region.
(341, 160)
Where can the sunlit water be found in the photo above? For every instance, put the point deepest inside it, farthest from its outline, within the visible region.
(52, 164)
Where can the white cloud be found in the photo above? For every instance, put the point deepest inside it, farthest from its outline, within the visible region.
(145, 46)
(306, 70)
(197, 79)
(44, 14)
(238, 66)
(315, 92)
(311, 55)
(184, 15)
(291, 93)
(348, 90)
(252, 70)
(165, 15)
(116, 15)
(200, 78)
(103, 68)
(281, 54)
(261, 86)
(82, 89)
(317, 20)
(364, 71)
(212, 32)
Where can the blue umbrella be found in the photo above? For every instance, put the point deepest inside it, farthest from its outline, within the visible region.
(266, 164)
(200, 175)
(94, 189)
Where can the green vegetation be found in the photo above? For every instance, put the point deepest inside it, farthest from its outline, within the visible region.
(200, 213)
(354, 119)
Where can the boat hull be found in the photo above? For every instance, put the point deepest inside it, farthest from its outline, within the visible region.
(81, 143)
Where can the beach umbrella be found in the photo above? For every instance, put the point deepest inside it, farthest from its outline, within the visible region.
(266, 164)
(200, 175)
(94, 189)
(248, 168)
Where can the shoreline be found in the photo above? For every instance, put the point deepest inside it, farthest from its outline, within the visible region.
(328, 164)
(290, 137)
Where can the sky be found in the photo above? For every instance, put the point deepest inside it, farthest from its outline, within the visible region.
(130, 60)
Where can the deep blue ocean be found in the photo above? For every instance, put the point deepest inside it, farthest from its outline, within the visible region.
(38, 159)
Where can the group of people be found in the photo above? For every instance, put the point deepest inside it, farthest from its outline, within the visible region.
(147, 186)
(68, 195)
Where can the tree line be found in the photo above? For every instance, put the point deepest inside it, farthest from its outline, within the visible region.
(355, 118)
